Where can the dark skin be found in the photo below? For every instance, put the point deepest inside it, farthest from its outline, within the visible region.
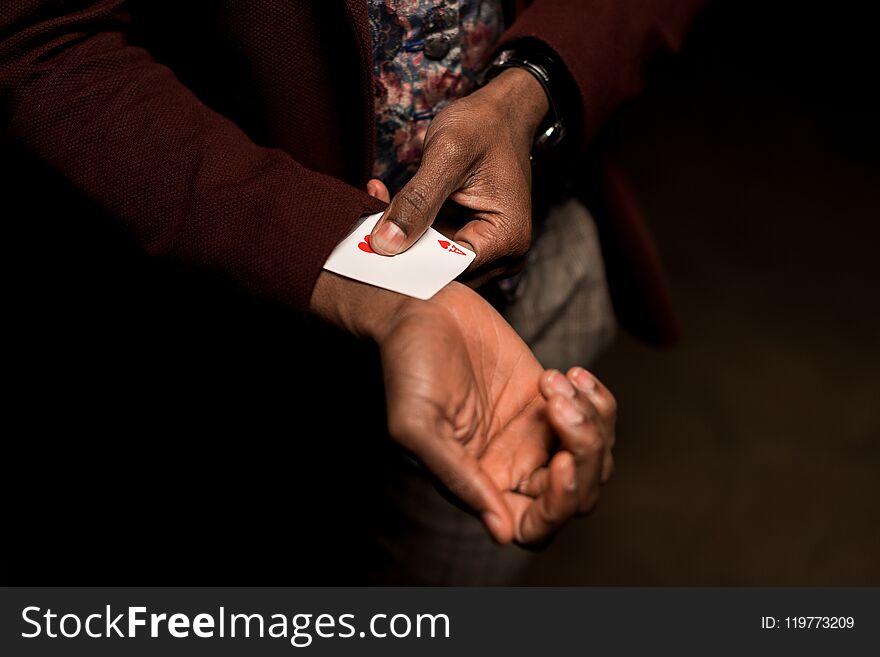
(476, 156)
(523, 448)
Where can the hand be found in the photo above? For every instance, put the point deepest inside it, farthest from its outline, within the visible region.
(468, 399)
(467, 396)
(476, 154)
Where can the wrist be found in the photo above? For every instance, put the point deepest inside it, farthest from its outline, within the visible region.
(560, 89)
(366, 311)
(520, 98)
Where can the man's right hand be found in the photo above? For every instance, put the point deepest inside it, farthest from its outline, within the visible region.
(525, 449)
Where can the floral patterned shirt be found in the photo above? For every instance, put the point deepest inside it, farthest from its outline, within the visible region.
(426, 53)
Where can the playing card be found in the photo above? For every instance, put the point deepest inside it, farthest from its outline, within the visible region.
(421, 271)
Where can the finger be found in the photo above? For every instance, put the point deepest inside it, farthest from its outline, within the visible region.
(535, 484)
(414, 207)
(596, 391)
(556, 504)
(579, 434)
(606, 405)
(495, 240)
(377, 189)
(588, 394)
(553, 383)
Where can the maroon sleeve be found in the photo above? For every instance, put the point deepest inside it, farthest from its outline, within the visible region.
(605, 44)
(187, 182)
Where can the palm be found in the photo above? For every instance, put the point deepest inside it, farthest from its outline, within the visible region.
(463, 393)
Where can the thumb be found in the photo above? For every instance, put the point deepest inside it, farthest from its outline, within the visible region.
(413, 209)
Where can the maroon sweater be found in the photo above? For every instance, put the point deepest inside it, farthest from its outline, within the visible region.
(238, 136)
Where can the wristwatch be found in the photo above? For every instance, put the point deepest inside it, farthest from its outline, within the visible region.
(562, 94)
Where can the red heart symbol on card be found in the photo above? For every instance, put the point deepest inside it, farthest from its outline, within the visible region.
(451, 247)
(365, 245)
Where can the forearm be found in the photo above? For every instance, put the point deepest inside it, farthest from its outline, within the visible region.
(188, 183)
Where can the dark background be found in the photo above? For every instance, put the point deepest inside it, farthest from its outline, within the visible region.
(750, 454)
(747, 455)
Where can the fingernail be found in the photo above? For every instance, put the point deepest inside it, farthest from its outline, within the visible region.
(388, 239)
(560, 385)
(583, 380)
(569, 413)
(493, 522)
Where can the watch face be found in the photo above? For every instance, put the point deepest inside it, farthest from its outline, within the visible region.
(550, 137)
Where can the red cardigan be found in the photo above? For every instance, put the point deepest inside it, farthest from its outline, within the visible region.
(238, 136)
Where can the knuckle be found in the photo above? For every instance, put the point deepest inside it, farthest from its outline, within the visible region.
(590, 446)
(590, 412)
(450, 151)
(414, 201)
